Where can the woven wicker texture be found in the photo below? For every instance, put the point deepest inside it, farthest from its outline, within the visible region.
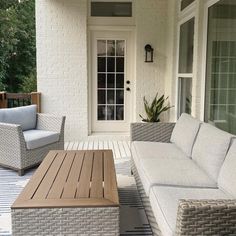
(66, 221)
(153, 132)
(206, 217)
(194, 217)
(13, 151)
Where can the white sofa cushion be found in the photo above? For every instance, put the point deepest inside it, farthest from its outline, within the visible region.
(144, 150)
(39, 138)
(171, 172)
(165, 200)
(184, 133)
(23, 116)
(227, 176)
(210, 149)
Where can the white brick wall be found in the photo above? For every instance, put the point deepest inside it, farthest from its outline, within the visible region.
(150, 29)
(62, 62)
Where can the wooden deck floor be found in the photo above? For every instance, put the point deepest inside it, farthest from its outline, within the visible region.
(121, 149)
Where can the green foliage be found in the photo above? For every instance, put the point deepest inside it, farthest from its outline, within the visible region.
(154, 110)
(17, 43)
(29, 83)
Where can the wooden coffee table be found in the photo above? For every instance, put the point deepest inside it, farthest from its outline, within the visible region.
(71, 193)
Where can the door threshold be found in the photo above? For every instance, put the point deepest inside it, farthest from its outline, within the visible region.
(109, 136)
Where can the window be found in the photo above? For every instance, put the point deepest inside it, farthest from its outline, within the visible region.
(185, 3)
(220, 94)
(185, 95)
(111, 9)
(185, 67)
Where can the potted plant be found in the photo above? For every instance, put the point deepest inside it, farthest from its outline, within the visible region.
(155, 109)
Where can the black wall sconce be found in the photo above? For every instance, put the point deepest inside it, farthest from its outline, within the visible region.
(148, 53)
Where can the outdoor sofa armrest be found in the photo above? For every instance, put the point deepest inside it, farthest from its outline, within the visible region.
(50, 122)
(153, 132)
(206, 217)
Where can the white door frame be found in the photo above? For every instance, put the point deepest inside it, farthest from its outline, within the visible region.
(91, 30)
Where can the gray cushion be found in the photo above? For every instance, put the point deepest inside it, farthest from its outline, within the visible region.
(144, 150)
(164, 202)
(210, 149)
(173, 172)
(184, 133)
(227, 176)
(39, 138)
(23, 116)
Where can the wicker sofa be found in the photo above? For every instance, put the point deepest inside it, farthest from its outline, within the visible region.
(26, 137)
(186, 176)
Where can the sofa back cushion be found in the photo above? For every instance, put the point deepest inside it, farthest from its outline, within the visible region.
(23, 116)
(184, 133)
(210, 149)
(227, 176)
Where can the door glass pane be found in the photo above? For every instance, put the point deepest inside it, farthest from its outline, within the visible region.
(111, 9)
(186, 47)
(186, 3)
(110, 79)
(185, 96)
(220, 99)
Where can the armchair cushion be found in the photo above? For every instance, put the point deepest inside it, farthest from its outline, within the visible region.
(227, 176)
(210, 149)
(23, 116)
(173, 172)
(39, 138)
(185, 132)
(165, 200)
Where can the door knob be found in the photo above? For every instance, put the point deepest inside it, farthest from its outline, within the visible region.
(127, 82)
(127, 89)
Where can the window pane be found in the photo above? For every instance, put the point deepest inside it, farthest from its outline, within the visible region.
(111, 9)
(119, 112)
(185, 96)
(110, 112)
(111, 64)
(101, 48)
(101, 112)
(120, 48)
(220, 99)
(101, 64)
(186, 47)
(111, 47)
(110, 80)
(110, 96)
(119, 80)
(120, 64)
(186, 3)
(101, 80)
(101, 96)
(120, 97)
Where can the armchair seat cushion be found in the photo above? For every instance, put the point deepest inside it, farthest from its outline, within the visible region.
(171, 172)
(165, 200)
(39, 138)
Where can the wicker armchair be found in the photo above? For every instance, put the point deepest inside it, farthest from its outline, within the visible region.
(194, 217)
(13, 150)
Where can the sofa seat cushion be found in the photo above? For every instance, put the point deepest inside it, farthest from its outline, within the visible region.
(227, 176)
(171, 172)
(210, 149)
(164, 202)
(145, 150)
(39, 138)
(185, 132)
(24, 116)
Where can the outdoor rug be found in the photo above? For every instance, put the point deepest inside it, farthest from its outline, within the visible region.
(133, 220)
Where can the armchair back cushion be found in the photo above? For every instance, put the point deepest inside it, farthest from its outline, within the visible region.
(227, 176)
(23, 116)
(210, 148)
(184, 133)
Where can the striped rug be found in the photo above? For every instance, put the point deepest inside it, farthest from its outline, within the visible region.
(133, 220)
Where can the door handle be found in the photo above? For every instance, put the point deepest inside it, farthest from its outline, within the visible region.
(128, 89)
(127, 82)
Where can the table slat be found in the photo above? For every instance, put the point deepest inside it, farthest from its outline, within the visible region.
(83, 187)
(97, 176)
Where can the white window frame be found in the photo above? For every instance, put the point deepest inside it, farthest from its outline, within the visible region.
(184, 16)
(207, 5)
(116, 21)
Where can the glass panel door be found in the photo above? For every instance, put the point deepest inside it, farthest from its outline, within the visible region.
(220, 99)
(110, 79)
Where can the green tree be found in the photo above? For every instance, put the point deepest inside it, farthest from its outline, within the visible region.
(17, 50)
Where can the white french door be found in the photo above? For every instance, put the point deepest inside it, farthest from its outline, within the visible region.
(111, 84)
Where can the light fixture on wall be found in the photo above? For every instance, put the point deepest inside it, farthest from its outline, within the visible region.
(148, 53)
